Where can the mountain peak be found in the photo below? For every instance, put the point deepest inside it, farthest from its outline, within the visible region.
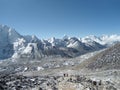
(110, 39)
(67, 46)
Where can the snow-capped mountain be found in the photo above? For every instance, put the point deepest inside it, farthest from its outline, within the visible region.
(107, 40)
(8, 37)
(110, 39)
(14, 45)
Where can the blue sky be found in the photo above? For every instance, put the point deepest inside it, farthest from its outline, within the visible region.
(55, 18)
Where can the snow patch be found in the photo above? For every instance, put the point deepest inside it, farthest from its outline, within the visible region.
(40, 68)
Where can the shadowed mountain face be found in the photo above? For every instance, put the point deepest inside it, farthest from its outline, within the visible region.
(108, 59)
(7, 38)
(14, 45)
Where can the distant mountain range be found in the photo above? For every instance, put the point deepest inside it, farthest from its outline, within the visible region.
(14, 45)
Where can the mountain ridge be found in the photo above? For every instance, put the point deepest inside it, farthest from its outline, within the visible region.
(14, 45)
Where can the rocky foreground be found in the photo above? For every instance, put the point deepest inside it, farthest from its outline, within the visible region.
(60, 82)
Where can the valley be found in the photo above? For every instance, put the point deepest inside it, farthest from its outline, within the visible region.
(70, 63)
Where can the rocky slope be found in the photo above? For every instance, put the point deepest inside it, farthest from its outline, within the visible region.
(108, 59)
(73, 82)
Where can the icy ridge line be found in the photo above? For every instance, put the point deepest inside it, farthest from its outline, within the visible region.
(14, 45)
